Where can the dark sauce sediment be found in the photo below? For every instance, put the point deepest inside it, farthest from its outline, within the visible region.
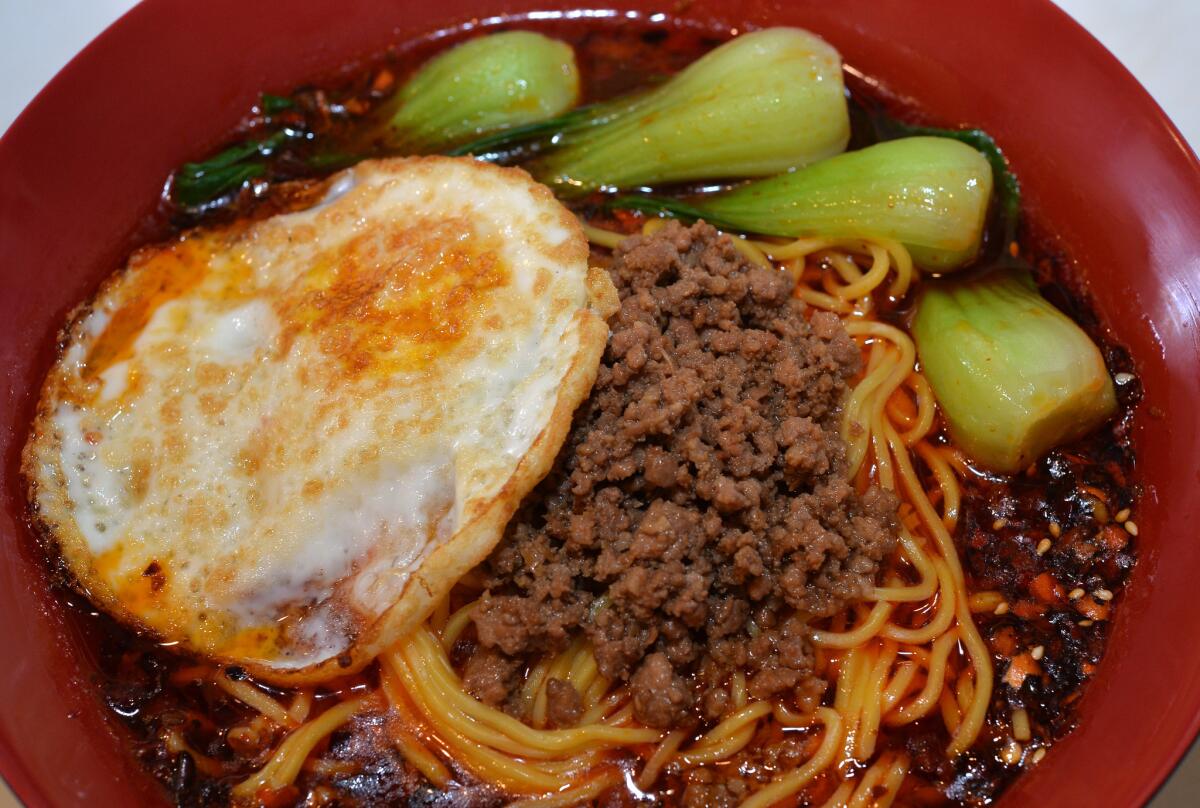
(1058, 597)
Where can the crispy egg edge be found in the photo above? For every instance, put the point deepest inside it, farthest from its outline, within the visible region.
(49, 508)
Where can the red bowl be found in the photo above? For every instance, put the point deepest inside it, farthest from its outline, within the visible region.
(1101, 166)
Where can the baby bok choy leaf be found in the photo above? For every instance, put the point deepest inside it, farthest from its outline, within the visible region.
(930, 193)
(195, 184)
(760, 104)
(492, 83)
(1014, 376)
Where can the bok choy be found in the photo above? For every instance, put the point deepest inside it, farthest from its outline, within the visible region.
(492, 83)
(760, 104)
(1014, 376)
(489, 84)
(930, 193)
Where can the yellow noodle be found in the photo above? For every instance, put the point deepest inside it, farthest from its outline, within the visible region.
(301, 705)
(583, 670)
(558, 670)
(662, 755)
(719, 750)
(751, 252)
(251, 696)
(737, 689)
(603, 707)
(872, 708)
(410, 747)
(653, 225)
(602, 237)
(481, 760)
(926, 409)
(175, 743)
(865, 284)
(951, 715)
(439, 682)
(800, 248)
(898, 687)
(880, 784)
(285, 764)
(533, 684)
(596, 692)
(578, 795)
(421, 758)
(788, 784)
(924, 566)
(943, 616)
(841, 796)
(455, 625)
(946, 481)
(869, 628)
(921, 705)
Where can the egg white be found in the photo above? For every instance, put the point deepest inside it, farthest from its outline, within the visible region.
(279, 443)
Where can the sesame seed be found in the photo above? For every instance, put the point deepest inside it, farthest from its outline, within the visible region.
(1086, 623)
(1011, 753)
(1038, 754)
(1038, 652)
(1103, 594)
(1002, 608)
(999, 524)
(1122, 515)
(1055, 530)
(1076, 593)
(1043, 546)
(1124, 378)
(1131, 528)
(1020, 725)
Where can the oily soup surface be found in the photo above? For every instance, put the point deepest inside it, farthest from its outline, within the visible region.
(279, 442)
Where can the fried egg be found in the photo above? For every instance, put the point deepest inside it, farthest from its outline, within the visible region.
(279, 443)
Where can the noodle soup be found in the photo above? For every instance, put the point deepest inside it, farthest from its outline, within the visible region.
(920, 640)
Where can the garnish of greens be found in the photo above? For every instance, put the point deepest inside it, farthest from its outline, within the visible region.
(1014, 376)
(760, 104)
(507, 80)
(196, 184)
(929, 193)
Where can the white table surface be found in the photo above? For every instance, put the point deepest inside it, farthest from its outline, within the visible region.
(1156, 39)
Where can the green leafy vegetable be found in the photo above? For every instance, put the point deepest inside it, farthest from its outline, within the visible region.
(498, 144)
(929, 193)
(198, 183)
(760, 104)
(1007, 187)
(274, 104)
(495, 82)
(1014, 376)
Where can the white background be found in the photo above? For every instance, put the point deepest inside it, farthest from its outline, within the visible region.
(1156, 39)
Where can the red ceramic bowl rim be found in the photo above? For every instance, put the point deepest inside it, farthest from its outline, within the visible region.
(1067, 34)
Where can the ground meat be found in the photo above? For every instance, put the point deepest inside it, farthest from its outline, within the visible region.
(699, 513)
(661, 698)
(491, 676)
(563, 705)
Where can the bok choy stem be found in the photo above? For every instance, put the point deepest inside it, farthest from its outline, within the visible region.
(929, 193)
(495, 82)
(760, 104)
(1014, 376)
